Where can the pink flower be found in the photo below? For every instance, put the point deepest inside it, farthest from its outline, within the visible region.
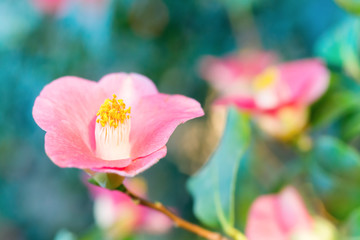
(125, 136)
(53, 7)
(278, 95)
(49, 6)
(278, 217)
(119, 216)
(232, 75)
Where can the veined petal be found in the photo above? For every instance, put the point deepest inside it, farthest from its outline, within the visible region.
(69, 100)
(129, 87)
(155, 118)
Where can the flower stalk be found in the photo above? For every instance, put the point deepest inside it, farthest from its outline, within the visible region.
(178, 222)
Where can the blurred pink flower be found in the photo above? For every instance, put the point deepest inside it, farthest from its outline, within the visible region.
(232, 75)
(119, 216)
(278, 95)
(86, 130)
(49, 6)
(278, 217)
(53, 7)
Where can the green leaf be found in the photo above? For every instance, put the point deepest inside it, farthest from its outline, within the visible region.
(350, 126)
(341, 47)
(332, 106)
(105, 180)
(214, 186)
(335, 174)
(352, 6)
(351, 229)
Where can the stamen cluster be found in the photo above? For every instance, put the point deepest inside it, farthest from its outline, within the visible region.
(113, 112)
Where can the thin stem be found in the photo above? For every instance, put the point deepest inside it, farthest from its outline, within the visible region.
(179, 222)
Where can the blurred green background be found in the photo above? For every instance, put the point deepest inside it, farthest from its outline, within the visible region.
(162, 39)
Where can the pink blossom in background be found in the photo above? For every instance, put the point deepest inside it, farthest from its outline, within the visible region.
(53, 7)
(129, 135)
(119, 216)
(233, 74)
(276, 94)
(49, 6)
(278, 217)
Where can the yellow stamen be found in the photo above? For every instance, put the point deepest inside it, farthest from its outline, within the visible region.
(113, 112)
(266, 78)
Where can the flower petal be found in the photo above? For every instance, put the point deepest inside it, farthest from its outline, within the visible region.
(137, 166)
(129, 87)
(69, 100)
(242, 103)
(66, 148)
(278, 216)
(306, 79)
(224, 71)
(292, 210)
(155, 118)
(263, 222)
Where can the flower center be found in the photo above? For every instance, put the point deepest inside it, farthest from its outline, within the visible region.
(113, 112)
(266, 88)
(266, 79)
(112, 130)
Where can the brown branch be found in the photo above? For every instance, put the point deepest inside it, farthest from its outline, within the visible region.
(179, 222)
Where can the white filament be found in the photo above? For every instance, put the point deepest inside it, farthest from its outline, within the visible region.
(113, 143)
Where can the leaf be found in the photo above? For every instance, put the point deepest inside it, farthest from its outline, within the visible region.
(214, 186)
(351, 229)
(341, 47)
(352, 6)
(332, 106)
(350, 126)
(335, 174)
(105, 180)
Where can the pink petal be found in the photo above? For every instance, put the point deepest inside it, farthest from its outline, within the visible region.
(277, 216)
(137, 166)
(263, 222)
(242, 103)
(70, 100)
(292, 210)
(223, 72)
(129, 87)
(155, 118)
(307, 79)
(66, 148)
(49, 6)
(155, 222)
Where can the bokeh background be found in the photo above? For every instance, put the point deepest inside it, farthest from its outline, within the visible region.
(163, 39)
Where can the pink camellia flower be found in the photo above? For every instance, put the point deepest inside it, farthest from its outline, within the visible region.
(126, 134)
(119, 216)
(284, 217)
(278, 95)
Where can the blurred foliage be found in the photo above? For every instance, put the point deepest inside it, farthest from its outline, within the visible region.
(353, 6)
(334, 171)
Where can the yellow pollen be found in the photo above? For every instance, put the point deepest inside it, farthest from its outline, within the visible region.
(266, 78)
(114, 112)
